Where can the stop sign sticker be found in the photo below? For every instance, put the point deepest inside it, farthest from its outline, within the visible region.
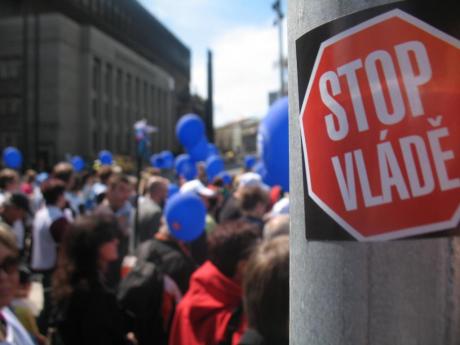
(380, 127)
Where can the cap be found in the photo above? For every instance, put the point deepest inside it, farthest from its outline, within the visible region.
(251, 179)
(18, 200)
(195, 186)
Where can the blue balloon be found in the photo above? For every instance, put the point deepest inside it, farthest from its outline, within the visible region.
(12, 158)
(249, 161)
(180, 161)
(189, 171)
(78, 163)
(190, 130)
(185, 215)
(168, 159)
(105, 157)
(157, 161)
(273, 144)
(214, 165)
(199, 152)
(172, 189)
(213, 150)
(259, 168)
(226, 177)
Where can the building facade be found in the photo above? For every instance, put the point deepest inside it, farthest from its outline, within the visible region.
(76, 75)
(238, 138)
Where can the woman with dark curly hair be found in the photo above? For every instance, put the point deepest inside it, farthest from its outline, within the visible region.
(86, 311)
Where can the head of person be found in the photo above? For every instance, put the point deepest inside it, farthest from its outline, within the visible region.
(53, 191)
(253, 201)
(230, 245)
(198, 188)
(9, 180)
(64, 171)
(9, 263)
(157, 188)
(14, 207)
(30, 176)
(119, 190)
(276, 226)
(104, 173)
(90, 244)
(266, 289)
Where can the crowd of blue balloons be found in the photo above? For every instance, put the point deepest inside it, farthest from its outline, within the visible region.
(185, 213)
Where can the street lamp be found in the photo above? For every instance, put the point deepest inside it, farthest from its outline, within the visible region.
(276, 6)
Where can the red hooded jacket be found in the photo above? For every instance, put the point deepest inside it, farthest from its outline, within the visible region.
(203, 314)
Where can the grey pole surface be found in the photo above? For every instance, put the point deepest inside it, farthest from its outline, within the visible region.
(399, 292)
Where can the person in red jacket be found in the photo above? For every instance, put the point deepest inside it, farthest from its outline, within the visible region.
(215, 295)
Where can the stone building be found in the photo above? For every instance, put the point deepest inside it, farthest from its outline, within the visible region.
(76, 74)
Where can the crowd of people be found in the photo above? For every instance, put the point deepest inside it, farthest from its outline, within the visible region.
(113, 272)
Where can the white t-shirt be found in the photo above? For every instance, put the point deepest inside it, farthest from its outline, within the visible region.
(15, 332)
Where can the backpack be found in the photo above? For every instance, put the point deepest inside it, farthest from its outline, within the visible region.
(140, 295)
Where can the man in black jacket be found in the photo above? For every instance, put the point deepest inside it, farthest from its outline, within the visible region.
(170, 256)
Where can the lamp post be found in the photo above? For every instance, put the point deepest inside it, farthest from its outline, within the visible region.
(279, 21)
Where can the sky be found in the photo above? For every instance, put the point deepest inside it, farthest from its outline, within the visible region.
(244, 42)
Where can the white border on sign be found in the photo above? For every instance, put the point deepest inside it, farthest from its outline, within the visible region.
(406, 232)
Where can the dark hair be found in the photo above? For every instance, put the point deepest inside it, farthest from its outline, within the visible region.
(7, 176)
(78, 260)
(117, 179)
(231, 242)
(266, 289)
(63, 171)
(251, 196)
(104, 173)
(52, 189)
(30, 175)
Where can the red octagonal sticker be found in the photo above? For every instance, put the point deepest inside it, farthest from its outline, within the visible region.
(381, 128)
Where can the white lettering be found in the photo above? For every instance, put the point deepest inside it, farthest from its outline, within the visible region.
(369, 199)
(440, 157)
(390, 173)
(412, 82)
(346, 184)
(349, 71)
(418, 186)
(337, 110)
(391, 80)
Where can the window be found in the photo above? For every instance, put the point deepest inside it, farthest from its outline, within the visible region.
(95, 139)
(118, 84)
(138, 95)
(95, 109)
(108, 80)
(128, 90)
(128, 142)
(2, 106)
(96, 75)
(146, 107)
(14, 106)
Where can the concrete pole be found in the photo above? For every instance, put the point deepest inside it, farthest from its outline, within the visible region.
(387, 293)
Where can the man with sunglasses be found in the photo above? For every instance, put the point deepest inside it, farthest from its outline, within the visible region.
(11, 330)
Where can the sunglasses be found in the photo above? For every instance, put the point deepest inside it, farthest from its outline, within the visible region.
(10, 265)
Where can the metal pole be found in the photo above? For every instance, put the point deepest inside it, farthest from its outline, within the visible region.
(279, 21)
(386, 293)
(25, 80)
(209, 101)
(280, 33)
(37, 86)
